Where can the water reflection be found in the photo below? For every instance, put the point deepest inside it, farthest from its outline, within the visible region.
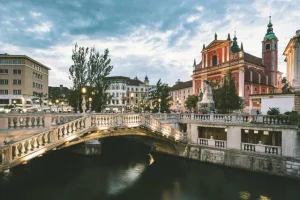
(123, 179)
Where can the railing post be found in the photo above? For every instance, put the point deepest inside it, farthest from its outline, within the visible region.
(211, 117)
(119, 118)
(4, 122)
(192, 116)
(88, 122)
(48, 121)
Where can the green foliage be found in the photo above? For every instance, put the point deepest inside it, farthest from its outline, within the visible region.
(40, 96)
(98, 69)
(191, 102)
(90, 70)
(226, 97)
(273, 111)
(162, 92)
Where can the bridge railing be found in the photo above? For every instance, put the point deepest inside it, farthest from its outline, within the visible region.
(105, 121)
(41, 142)
(212, 143)
(237, 118)
(35, 120)
(260, 148)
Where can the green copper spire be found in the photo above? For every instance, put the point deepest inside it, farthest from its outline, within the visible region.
(203, 47)
(270, 34)
(242, 48)
(235, 47)
(216, 36)
(194, 62)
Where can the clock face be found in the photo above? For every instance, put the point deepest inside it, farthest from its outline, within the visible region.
(235, 56)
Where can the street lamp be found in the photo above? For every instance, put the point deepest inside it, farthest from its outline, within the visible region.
(141, 107)
(131, 96)
(159, 100)
(83, 104)
(57, 101)
(62, 106)
(14, 102)
(90, 104)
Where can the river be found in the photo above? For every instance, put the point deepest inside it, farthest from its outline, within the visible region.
(128, 172)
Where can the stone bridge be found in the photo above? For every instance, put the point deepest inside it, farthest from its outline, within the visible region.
(53, 132)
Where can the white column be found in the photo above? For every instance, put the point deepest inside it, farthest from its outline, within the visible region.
(251, 89)
(202, 61)
(295, 63)
(228, 53)
(241, 83)
(206, 63)
(234, 138)
(194, 86)
(223, 52)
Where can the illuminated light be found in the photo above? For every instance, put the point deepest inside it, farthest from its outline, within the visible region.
(256, 132)
(54, 149)
(246, 131)
(266, 132)
(6, 171)
(24, 163)
(40, 155)
(83, 90)
(225, 129)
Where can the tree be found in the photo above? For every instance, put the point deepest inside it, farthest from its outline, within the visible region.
(98, 69)
(191, 101)
(162, 92)
(40, 96)
(78, 73)
(225, 97)
(273, 111)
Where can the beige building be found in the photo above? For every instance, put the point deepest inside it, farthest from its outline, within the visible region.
(21, 78)
(179, 92)
(292, 54)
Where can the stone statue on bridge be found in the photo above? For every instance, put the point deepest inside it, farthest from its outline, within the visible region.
(207, 103)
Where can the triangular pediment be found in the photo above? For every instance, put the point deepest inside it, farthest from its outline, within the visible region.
(215, 43)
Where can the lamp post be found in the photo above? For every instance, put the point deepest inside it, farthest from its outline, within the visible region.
(62, 106)
(141, 107)
(159, 100)
(90, 104)
(83, 104)
(50, 105)
(131, 96)
(177, 104)
(14, 102)
(57, 101)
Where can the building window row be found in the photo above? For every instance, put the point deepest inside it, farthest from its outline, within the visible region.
(17, 92)
(3, 91)
(14, 61)
(36, 67)
(3, 71)
(3, 82)
(17, 71)
(4, 101)
(37, 75)
(37, 85)
(17, 82)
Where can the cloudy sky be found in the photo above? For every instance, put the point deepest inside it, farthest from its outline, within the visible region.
(158, 38)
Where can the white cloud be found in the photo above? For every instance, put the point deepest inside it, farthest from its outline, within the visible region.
(41, 28)
(192, 18)
(35, 14)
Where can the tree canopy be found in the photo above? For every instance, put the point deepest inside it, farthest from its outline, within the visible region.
(161, 93)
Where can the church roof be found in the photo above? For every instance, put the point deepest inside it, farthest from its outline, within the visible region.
(215, 43)
(182, 85)
(252, 59)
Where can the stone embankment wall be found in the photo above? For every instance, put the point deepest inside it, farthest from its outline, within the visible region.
(87, 149)
(277, 165)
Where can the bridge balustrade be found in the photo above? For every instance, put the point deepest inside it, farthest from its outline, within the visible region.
(260, 148)
(212, 143)
(38, 144)
(34, 120)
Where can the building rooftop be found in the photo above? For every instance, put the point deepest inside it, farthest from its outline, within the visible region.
(182, 85)
(252, 59)
(5, 55)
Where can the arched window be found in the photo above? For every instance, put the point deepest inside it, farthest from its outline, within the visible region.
(268, 47)
(215, 62)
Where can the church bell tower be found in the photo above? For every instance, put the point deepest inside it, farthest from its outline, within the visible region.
(270, 54)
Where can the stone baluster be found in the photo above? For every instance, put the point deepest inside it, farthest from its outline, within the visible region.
(29, 122)
(17, 122)
(29, 147)
(22, 148)
(35, 144)
(16, 151)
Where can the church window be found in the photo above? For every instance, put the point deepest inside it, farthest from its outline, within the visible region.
(275, 46)
(255, 89)
(263, 90)
(215, 62)
(268, 46)
(248, 87)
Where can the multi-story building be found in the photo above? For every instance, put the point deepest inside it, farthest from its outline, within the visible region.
(58, 93)
(21, 77)
(253, 75)
(179, 92)
(127, 94)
